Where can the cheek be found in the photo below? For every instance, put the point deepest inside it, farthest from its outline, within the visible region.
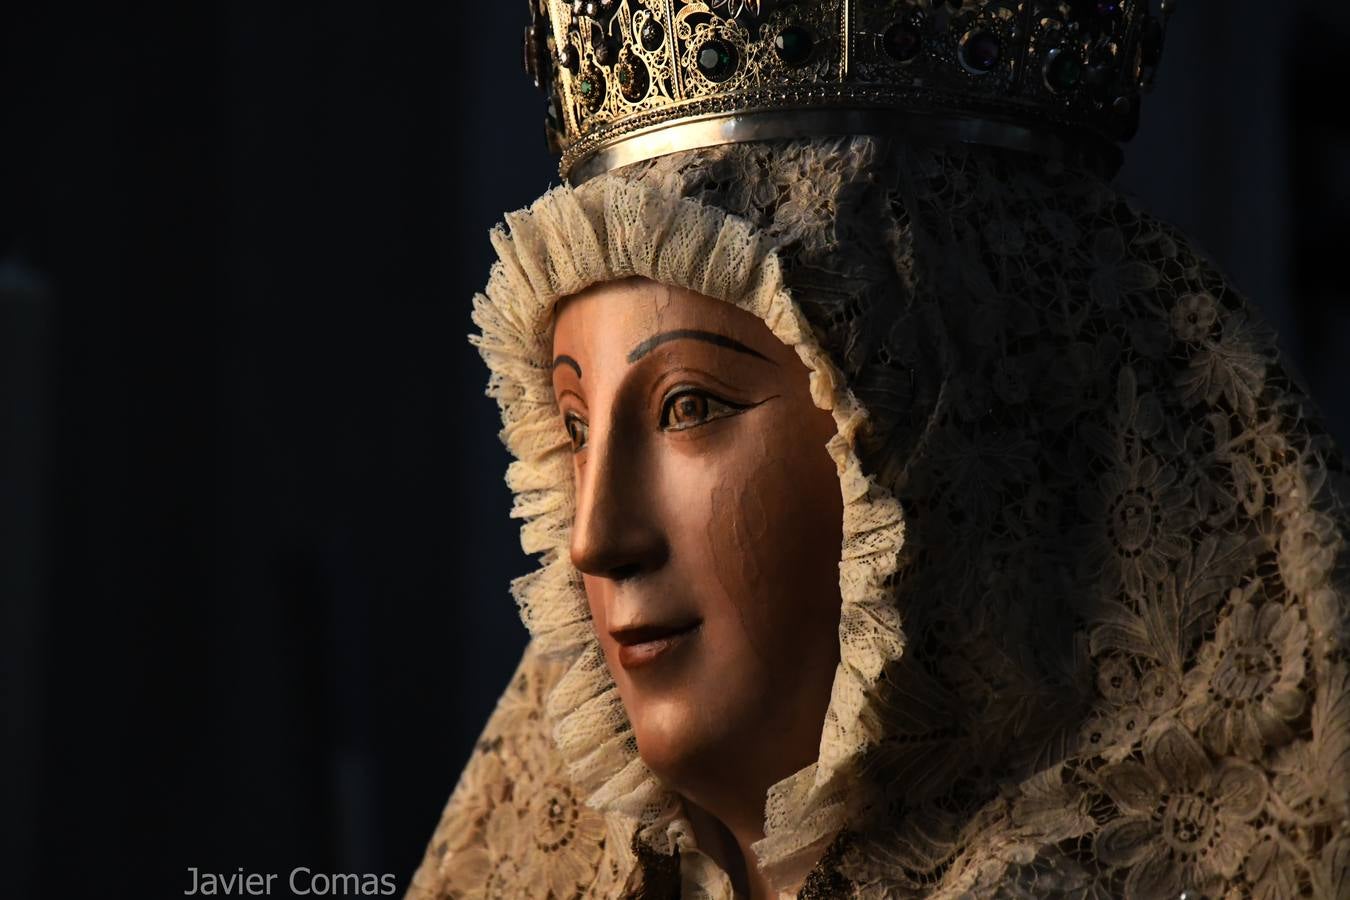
(738, 532)
(768, 534)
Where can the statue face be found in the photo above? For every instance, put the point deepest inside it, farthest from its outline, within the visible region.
(708, 528)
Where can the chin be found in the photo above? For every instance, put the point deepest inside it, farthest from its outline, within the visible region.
(679, 741)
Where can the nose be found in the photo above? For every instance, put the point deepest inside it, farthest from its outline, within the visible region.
(617, 531)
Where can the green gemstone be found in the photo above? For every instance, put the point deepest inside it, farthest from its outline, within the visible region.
(793, 45)
(587, 87)
(1065, 72)
(716, 60)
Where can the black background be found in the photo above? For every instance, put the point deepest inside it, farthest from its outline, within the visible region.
(254, 543)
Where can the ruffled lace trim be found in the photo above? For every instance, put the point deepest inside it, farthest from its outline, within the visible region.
(611, 229)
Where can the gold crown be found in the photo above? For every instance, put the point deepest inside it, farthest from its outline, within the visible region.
(633, 79)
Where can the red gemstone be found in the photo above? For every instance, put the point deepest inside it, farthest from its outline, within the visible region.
(902, 41)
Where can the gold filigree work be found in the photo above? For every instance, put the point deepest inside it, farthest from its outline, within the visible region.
(632, 70)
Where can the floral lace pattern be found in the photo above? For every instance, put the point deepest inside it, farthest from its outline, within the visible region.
(1123, 579)
(516, 826)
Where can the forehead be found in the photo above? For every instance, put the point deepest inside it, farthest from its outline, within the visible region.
(613, 317)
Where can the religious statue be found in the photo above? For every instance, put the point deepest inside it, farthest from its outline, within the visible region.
(916, 516)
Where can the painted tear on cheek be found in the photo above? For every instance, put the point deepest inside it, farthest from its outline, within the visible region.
(739, 538)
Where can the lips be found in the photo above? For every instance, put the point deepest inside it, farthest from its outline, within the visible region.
(642, 645)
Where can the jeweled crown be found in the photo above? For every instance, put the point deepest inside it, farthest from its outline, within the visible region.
(632, 79)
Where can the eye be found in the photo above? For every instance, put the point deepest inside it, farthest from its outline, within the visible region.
(577, 431)
(690, 407)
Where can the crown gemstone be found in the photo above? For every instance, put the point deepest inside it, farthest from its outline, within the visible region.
(592, 89)
(902, 41)
(980, 51)
(1098, 79)
(794, 45)
(569, 58)
(633, 80)
(652, 35)
(606, 52)
(716, 60)
(1063, 71)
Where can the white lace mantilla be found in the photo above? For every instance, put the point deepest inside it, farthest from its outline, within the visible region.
(1122, 570)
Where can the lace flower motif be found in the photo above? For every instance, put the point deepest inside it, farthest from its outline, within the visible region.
(807, 202)
(1193, 317)
(1116, 680)
(483, 787)
(1247, 684)
(1159, 690)
(1115, 275)
(564, 837)
(496, 867)
(1185, 820)
(1270, 867)
(1232, 368)
(1331, 877)
(1110, 734)
(1140, 512)
(1307, 550)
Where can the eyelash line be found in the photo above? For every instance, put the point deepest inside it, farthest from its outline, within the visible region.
(671, 395)
(679, 390)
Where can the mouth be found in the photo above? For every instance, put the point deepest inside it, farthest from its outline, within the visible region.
(642, 645)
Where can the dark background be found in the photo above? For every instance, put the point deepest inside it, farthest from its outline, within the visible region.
(254, 544)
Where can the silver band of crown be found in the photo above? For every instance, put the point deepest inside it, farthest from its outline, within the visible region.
(716, 129)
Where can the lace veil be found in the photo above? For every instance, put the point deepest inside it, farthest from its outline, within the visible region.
(1093, 640)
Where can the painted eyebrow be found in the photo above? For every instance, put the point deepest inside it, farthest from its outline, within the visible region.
(566, 360)
(678, 334)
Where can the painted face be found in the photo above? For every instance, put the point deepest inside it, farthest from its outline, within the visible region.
(708, 528)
